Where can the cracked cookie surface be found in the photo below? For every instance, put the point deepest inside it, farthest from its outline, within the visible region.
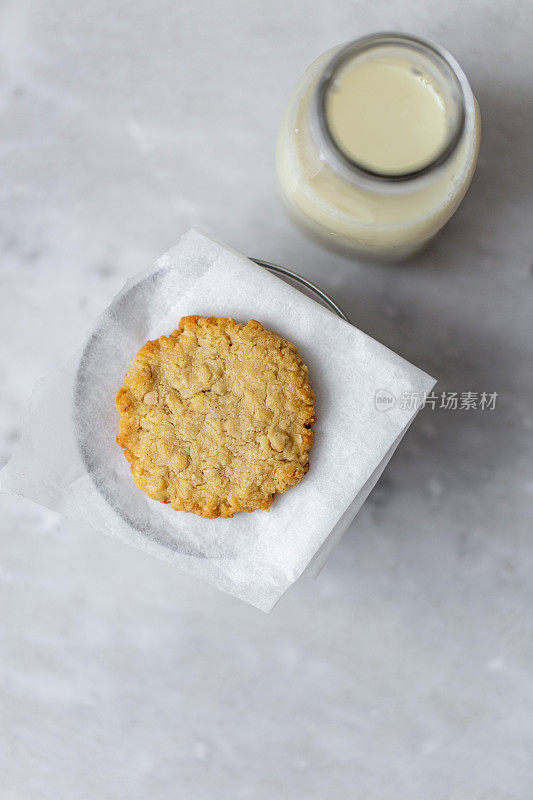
(216, 417)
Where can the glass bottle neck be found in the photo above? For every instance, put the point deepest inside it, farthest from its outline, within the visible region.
(352, 76)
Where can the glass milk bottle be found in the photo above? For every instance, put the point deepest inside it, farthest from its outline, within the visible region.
(378, 145)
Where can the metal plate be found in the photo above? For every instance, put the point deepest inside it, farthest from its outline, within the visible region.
(302, 283)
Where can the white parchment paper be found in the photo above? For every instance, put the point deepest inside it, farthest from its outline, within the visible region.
(68, 459)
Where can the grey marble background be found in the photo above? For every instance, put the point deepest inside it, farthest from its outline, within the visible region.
(405, 671)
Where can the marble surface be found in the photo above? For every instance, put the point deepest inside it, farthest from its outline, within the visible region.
(405, 670)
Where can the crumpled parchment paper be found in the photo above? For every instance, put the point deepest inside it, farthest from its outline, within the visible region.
(68, 459)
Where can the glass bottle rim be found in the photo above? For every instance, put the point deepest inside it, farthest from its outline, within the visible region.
(332, 153)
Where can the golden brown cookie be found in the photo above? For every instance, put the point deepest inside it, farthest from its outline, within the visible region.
(216, 417)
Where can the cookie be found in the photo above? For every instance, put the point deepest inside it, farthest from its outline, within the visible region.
(216, 417)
